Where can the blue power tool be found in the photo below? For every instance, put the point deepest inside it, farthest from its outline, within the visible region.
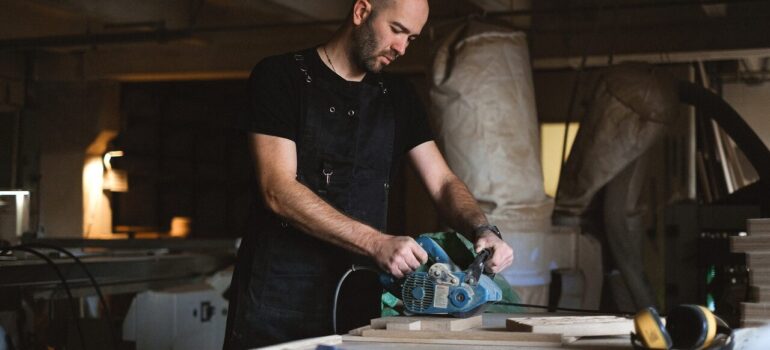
(440, 287)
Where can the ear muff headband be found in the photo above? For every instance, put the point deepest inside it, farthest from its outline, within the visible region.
(711, 319)
(650, 330)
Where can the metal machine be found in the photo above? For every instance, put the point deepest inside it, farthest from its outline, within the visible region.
(441, 287)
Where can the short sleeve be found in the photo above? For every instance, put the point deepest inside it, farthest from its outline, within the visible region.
(418, 129)
(273, 102)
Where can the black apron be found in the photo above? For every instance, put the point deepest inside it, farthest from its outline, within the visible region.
(284, 282)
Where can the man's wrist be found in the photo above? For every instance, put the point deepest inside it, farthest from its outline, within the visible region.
(372, 241)
(481, 229)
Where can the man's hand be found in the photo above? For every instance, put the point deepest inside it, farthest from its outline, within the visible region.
(398, 255)
(502, 254)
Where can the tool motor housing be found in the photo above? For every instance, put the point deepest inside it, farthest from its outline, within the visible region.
(443, 288)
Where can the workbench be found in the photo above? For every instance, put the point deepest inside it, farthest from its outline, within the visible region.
(491, 322)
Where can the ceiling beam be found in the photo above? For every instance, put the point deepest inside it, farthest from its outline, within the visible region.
(655, 58)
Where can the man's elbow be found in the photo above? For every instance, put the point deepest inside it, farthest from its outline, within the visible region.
(273, 199)
(448, 183)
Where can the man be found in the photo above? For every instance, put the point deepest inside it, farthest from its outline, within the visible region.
(328, 130)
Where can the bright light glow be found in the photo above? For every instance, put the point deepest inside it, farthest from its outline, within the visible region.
(742, 234)
(551, 141)
(180, 226)
(14, 193)
(93, 211)
(108, 157)
(21, 209)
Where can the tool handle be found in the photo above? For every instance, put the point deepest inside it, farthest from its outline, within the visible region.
(476, 268)
(483, 256)
(435, 252)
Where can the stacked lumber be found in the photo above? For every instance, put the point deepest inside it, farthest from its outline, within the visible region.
(756, 245)
(445, 330)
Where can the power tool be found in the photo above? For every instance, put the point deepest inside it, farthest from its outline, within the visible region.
(441, 287)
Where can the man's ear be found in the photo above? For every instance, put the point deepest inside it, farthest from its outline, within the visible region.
(362, 9)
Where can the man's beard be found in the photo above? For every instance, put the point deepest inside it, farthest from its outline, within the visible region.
(364, 48)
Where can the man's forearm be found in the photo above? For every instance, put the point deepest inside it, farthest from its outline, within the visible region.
(305, 210)
(457, 205)
(276, 167)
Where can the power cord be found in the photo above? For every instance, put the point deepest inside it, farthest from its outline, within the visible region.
(98, 290)
(590, 311)
(56, 269)
(352, 269)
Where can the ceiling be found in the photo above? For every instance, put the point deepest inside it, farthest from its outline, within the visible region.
(150, 39)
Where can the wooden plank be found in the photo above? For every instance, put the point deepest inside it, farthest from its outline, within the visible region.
(755, 311)
(572, 326)
(759, 276)
(757, 260)
(310, 343)
(403, 326)
(760, 294)
(471, 336)
(754, 323)
(439, 341)
(756, 227)
(359, 330)
(750, 244)
(428, 323)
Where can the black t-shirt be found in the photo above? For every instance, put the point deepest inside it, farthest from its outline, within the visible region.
(275, 87)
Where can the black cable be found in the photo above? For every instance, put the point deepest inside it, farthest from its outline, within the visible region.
(98, 290)
(589, 311)
(64, 282)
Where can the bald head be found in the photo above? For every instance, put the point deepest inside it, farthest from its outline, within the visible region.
(379, 5)
(379, 31)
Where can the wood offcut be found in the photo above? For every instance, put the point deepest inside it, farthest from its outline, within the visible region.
(430, 323)
(572, 326)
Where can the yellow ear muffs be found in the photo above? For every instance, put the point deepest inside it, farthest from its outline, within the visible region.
(691, 327)
(650, 331)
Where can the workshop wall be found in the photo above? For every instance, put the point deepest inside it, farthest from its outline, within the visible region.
(186, 155)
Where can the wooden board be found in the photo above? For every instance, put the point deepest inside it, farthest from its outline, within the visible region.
(488, 337)
(359, 330)
(759, 277)
(572, 326)
(310, 343)
(750, 244)
(440, 341)
(403, 326)
(756, 227)
(753, 323)
(757, 260)
(760, 294)
(428, 323)
(759, 311)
